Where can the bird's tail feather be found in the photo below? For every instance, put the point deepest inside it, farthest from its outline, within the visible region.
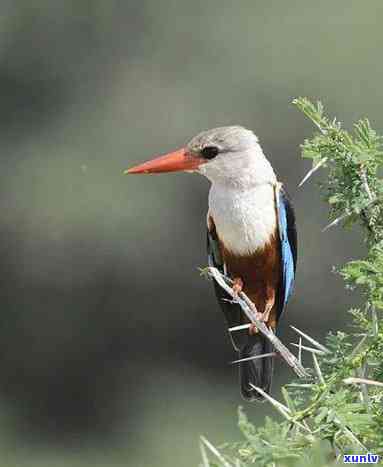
(258, 372)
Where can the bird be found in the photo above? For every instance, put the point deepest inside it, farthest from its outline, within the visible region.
(251, 237)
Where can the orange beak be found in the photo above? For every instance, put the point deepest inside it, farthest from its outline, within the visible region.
(172, 162)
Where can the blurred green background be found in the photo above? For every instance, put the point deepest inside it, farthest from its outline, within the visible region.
(112, 348)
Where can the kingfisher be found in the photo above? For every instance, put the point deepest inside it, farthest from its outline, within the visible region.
(251, 236)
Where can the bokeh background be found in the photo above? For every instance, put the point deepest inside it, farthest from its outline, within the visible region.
(112, 348)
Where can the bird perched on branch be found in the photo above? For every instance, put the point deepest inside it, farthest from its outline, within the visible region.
(251, 235)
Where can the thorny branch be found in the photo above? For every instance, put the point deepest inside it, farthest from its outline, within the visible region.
(250, 311)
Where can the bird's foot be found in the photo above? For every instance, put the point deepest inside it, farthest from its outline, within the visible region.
(264, 317)
(237, 286)
(253, 330)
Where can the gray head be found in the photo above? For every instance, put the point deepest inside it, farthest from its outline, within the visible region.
(230, 155)
(233, 155)
(227, 139)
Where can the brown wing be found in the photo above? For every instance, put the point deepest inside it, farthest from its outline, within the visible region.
(261, 275)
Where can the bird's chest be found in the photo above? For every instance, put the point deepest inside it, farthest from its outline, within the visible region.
(245, 220)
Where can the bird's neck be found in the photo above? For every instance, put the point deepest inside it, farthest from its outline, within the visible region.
(241, 171)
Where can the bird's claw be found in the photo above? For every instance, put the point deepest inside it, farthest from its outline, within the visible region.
(253, 330)
(263, 317)
(237, 286)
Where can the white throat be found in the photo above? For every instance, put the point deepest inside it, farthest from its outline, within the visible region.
(245, 219)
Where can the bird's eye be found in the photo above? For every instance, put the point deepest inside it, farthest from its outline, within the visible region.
(209, 152)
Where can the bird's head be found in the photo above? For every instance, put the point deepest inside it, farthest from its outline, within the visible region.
(228, 155)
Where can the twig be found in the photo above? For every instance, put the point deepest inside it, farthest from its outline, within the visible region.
(250, 311)
(364, 370)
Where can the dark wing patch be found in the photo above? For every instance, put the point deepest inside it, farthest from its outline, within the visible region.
(288, 239)
(232, 312)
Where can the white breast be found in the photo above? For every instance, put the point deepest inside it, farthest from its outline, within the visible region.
(245, 219)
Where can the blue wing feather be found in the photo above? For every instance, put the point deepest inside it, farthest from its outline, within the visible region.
(288, 239)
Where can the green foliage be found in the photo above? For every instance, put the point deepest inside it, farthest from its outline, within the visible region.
(334, 412)
(353, 188)
(367, 274)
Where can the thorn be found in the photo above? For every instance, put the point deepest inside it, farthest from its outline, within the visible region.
(359, 345)
(362, 381)
(364, 396)
(267, 443)
(349, 433)
(290, 404)
(311, 340)
(317, 369)
(285, 411)
(309, 349)
(312, 171)
(215, 452)
(205, 459)
(347, 214)
(375, 324)
(239, 327)
(297, 385)
(270, 354)
(282, 409)
(336, 221)
(300, 350)
(227, 300)
(366, 186)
